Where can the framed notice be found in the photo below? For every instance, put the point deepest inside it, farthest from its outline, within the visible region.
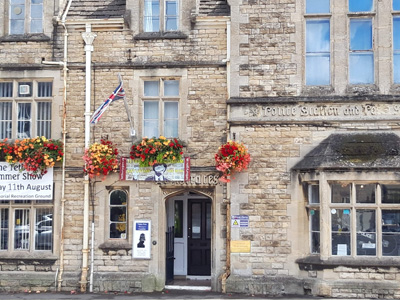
(141, 239)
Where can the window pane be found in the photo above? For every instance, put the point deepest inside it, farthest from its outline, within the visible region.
(178, 219)
(44, 229)
(318, 69)
(5, 120)
(4, 229)
(317, 6)
(171, 88)
(171, 15)
(151, 16)
(118, 220)
(315, 231)
(150, 110)
(366, 232)
(396, 4)
(37, 11)
(17, 11)
(365, 193)
(340, 193)
(45, 89)
(360, 34)
(390, 193)
(36, 26)
(24, 120)
(361, 68)
(341, 232)
(360, 5)
(21, 229)
(396, 48)
(25, 89)
(43, 123)
(151, 88)
(396, 68)
(313, 193)
(391, 232)
(171, 119)
(118, 197)
(17, 27)
(6, 89)
(317, 36)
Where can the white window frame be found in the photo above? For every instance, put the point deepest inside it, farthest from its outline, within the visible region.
(31, 233)
(123, 223)
(161, 99)
(36, 116)
(28, 17)
(163, 18)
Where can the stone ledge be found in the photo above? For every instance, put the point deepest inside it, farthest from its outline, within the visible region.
(40, 37)
(115, 245)
(160, 35)
(28, 258)
(315, 263)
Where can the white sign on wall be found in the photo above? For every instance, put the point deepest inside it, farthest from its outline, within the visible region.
(141, 239)
(18, 184)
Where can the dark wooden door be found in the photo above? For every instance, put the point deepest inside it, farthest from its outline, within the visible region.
(199, 237)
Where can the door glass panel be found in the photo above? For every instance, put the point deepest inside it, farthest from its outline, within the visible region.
(208, 220)
(340, 232)
(366, 232)
(196, 221)
(178, 219)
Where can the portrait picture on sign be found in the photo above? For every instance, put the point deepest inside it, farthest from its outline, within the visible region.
(160, 172)
(141, 239)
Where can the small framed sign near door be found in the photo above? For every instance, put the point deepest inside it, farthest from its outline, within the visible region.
(141, 239)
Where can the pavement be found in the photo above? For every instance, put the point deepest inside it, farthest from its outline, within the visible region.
(166, 295)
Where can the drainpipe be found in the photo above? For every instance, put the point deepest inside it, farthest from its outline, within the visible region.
(227, 273)
(60, 274)
(88, 37)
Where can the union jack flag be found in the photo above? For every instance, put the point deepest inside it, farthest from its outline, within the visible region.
(118, 93)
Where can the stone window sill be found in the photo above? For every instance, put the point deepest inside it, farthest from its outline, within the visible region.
(314, 262)
(28, 257)
(160, 35)
(115, 245)
(39, 37)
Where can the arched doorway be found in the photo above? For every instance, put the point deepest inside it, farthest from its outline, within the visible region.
(190, 216)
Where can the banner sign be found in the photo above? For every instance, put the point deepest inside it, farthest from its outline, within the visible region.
(141, 239)
(18, 184)
(130, 170)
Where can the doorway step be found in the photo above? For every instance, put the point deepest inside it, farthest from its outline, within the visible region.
(192, 283)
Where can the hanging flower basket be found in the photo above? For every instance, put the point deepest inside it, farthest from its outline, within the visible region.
(157, 151)
(36, 155)
(231, 157)
(101, 159)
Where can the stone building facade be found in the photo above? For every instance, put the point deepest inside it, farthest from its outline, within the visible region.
(310, 87)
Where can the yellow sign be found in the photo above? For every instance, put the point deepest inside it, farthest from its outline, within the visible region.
(240, 247)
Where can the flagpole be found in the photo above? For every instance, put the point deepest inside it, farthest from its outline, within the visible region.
(132, 130)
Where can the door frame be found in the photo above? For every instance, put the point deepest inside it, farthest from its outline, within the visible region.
(182, 244)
